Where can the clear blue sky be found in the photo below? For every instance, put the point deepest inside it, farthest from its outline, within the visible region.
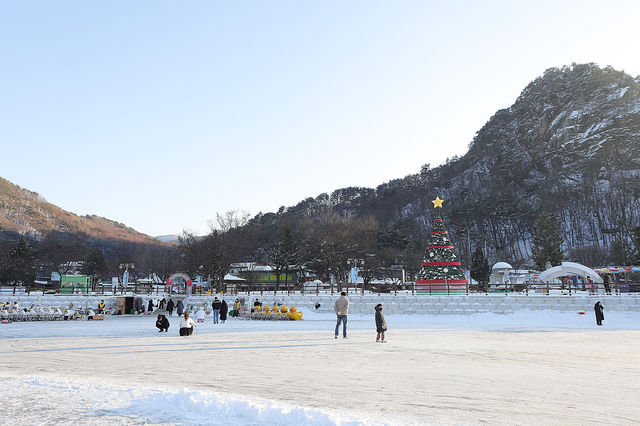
(159, 114)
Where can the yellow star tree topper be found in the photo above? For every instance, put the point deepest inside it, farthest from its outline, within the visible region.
(437, 202)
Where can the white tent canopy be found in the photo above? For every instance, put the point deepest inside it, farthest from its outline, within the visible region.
(502, 265)
(230, 277)
(569, 268)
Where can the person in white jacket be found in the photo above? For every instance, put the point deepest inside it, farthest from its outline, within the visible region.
(200, 315)
(341, 308)
(186, 325)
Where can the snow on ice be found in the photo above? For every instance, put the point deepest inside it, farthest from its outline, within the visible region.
(529, 367)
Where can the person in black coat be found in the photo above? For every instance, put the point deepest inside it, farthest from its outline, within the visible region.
(179, 308)
(216, 305)
(381, 324)
(607, 287)
(162, 303)
(599, 312)
(150, 307)
(224, 309)
(162, 323)
(170, 306)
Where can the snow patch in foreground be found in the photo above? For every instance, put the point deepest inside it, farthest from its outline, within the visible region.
(42, 399)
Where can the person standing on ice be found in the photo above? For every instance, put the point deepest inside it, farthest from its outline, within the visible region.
(101, 307)
(179, 308)
(381, 324)
(599, 312)
(224, 310)
(216, 305)
(186, 325)
(150, 306)
(170, 307)
(163, 302)
(341, 308)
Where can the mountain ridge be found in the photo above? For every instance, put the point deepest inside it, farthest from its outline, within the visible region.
(25, 211)
(570, 144)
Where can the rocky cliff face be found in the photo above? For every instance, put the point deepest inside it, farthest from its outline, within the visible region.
(570, 144)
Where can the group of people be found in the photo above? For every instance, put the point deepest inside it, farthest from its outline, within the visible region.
(220, 311)
(186, 324)
(170, 306)
(341, 308)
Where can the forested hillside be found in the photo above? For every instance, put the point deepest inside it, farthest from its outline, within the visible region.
(55, 236)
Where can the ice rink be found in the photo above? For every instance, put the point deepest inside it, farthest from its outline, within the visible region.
(525, 368)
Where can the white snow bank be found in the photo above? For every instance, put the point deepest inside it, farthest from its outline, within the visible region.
(81, 402)
(465, 369)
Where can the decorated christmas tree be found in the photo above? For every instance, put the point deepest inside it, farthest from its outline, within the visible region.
(441, 271)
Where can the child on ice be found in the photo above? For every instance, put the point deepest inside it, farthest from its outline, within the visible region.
(381, 324)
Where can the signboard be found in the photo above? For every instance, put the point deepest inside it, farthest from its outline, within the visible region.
(75, 283)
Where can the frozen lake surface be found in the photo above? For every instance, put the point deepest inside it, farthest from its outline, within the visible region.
(525, 368)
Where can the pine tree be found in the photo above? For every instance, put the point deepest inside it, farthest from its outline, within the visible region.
(20, 267)
(620, 253)
(635, 237)
(441, 269)
(480, 267)
(546, 244)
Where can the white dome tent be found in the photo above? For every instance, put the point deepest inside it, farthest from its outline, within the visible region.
(569, 268)
(499, 271)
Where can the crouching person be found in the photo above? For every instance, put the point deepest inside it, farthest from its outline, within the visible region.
(186, 325)
(162, 323)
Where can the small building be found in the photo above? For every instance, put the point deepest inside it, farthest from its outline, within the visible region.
(264, 277)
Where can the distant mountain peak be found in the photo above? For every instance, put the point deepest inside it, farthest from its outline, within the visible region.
(171, 239)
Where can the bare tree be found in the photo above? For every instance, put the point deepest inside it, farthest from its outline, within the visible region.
(231, 219)
(333, 239)
(285, 253)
